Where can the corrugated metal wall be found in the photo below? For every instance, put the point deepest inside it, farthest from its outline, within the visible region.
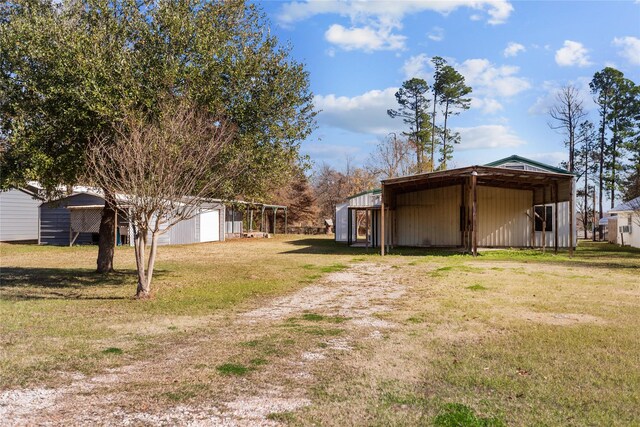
(55, 220)
(182, 233)
(432, 218)
(429, 217)
(341, 226)
(502, 217)
(18, 216)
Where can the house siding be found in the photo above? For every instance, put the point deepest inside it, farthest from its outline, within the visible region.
(55, 220)
(18, 216)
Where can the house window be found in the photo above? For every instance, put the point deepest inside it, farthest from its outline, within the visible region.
(540, 215)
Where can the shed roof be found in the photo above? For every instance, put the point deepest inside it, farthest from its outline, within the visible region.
(631, 205)
(486, 176)
(519, 159)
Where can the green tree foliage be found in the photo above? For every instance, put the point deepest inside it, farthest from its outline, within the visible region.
(69, 71)
(452, 99)
(436, 89)
(617, 100)
(413, 109)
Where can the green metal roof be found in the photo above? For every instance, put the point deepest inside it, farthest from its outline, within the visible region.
(516, 158)
(362, 193)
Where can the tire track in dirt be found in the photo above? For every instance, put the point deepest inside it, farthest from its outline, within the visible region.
(357, 294)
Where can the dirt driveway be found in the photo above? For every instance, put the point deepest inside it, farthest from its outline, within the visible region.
(326, 318)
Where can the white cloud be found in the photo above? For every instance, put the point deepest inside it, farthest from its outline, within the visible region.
(488, 137)
(365, 38)
(488, 81)
(553, 158)
(366, 113)
(497, 11)
(417, 66)
(486, 105)
(573, 54)
(551, 89)
(493, 81)
(373, 22)
(513, 49)
(630, 48)
(436, 34)
(484, 77)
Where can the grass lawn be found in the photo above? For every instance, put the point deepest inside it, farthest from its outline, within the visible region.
(511, 337)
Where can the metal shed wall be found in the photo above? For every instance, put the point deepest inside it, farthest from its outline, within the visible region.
(429, 217)
(502, 217)
(341, 225)
(55, 219)
(18, 216)
(188, 231)
(432, 218)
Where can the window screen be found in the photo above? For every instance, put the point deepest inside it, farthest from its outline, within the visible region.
(540, 215)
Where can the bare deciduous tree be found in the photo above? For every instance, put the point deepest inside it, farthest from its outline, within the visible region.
(163, 171)
(392, 158)
(568, 113)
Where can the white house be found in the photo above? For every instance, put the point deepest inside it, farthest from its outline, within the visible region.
(627, 224)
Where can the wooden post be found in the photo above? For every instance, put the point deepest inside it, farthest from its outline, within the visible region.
(544, 219)
(382, 228)
(463, 220)
(366, 228)
(533, 219)
(555, 217)
(251, 219)
(349, 214)
(571, 218)
(115, 229)
(275, 217)
(595, 217)
(474, 213)
(285, 221)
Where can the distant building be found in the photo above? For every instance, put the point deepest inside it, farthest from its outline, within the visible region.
(624, 223)
(518, 203)
(19, 219)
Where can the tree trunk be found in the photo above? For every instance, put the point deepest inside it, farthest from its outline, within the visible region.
(586, 193)
(600, 173)
(444, 137)
(142, 290)
(107, 240)
(433, 125)
(152, 263)
(614, 141)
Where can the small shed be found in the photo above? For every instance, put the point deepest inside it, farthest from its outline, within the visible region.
(19, 215)
(356, 216)
(513, 202)
(249, 219)
(75, 219)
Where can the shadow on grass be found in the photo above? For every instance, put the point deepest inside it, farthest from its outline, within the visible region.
(331, 247)
(597, 254)
(18, 283)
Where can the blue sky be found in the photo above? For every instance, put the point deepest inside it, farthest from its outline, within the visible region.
(514, 54)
